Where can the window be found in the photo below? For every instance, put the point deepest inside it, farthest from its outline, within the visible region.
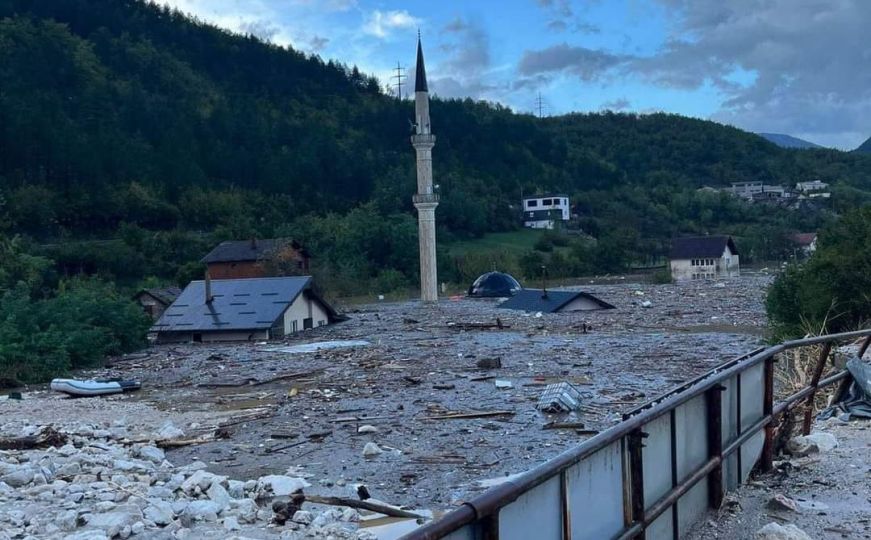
(530, 204)
(546, 202)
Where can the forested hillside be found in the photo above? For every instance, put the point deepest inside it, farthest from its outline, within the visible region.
(157, 135)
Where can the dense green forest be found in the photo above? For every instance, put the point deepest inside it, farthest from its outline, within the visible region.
(132, 138)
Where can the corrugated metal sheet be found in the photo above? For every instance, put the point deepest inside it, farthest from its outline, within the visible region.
(238, 304)
(595, 495)
(535, 514)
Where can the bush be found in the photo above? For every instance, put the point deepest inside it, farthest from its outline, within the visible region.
(84, 322)
(829, 292)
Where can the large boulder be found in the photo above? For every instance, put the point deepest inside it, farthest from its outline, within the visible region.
(811, 444)
(279, 485)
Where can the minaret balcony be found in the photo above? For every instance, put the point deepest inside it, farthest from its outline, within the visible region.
(419, 198)
(423, 138)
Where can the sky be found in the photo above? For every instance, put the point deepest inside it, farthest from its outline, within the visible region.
(800, 67)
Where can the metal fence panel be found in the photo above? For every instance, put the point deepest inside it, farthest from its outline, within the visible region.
(692, 507)
(691, 445)
(595, 493)
(730, 431)
(656, 458)
(752, 393)
(466, 533)
(662, 528)
(535, 514)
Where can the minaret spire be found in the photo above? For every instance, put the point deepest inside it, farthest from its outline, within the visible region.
(420, 71)
(424, 200)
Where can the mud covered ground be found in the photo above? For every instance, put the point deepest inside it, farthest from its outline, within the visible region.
(421, 364)
(831, 490)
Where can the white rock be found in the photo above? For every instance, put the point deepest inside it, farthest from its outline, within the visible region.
(137, 527)
(203, 510)
(279, 485)
(160, 512)
(152, 453)
(202, 480)
(367, 429)
(350, 515)
(219, 496)
(67, 520)
(245, 509)
(231, 524)
(87, 535)
(303, 517)
(236, 489)
(169, 431)
(813, 443)
(112, 522)
(19, 477)
(774, 531)
(371, 449)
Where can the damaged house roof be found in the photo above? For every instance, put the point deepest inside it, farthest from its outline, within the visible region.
(249, 250)
(237, 304)
(552, 301)
(701, 246)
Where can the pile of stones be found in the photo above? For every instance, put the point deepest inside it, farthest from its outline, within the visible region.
(97, 487)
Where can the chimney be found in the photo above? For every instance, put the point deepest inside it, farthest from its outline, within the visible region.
(208, 284)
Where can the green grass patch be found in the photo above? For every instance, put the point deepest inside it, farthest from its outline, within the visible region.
(519, 242)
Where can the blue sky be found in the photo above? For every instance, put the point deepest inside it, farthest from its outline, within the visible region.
(801, 67)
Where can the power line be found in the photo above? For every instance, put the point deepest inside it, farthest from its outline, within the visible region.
(399, 77)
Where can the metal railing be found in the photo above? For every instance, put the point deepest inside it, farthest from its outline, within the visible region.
(657, 472)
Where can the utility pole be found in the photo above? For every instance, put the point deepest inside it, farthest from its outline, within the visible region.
(400, 76)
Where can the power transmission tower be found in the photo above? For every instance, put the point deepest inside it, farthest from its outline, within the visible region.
(539, 105)
(399, 77)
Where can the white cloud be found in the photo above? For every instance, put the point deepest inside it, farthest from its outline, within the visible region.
(381, 23)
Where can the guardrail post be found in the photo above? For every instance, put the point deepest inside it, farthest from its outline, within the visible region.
(489, 526)
(714, 402)
(766, 463)
(815, 381)
(636, 478)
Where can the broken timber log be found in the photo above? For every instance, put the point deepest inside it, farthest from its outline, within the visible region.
(364, 505)
(460, 416)
(47, 437)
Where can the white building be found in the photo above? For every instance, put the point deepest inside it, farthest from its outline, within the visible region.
(704, 257)
(815, 189)
(543, 211)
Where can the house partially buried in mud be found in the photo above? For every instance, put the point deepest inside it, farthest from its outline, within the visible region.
(154, 301)
(703, 257)
(547, 301)
(243, 310)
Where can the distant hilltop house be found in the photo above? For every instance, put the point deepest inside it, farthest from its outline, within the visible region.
(544, 211)
(546, 301)
(813, 190)
(806, 243)
(704, 257)
(256, 258)
(154, 301)
(759, 191)
(243, 310)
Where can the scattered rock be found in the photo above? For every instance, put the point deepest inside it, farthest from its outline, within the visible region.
(809, 444)
(169, 432)
(774, 531)
(367, 429)
(279, 485)
(152, 453)
(782, 503)
(371, 450)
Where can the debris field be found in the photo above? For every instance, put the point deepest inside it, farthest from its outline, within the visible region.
(426, 405)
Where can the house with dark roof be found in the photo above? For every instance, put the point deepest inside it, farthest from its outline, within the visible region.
(243, 310)
(805, 243)
(256, 258)
(547, 301)
(704, 257)
(154, 301)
